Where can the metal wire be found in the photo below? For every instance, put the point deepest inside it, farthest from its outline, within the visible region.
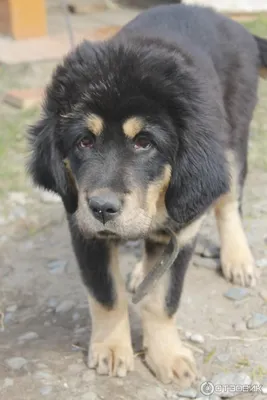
(68, 23)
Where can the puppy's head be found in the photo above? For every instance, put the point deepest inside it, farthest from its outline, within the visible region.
(129, 139)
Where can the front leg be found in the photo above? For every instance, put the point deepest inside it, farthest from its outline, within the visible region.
(110, 349)
(165, 354)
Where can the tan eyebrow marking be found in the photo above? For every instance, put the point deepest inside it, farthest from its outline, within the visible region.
(95, 124)
(132, 126)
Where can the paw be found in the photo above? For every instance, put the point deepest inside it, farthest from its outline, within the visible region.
(136, 277)
(173, 365)
(111, 360)
(169, 359)
(239, 267)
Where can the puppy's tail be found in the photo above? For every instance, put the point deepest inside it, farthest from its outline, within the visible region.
(262, 46)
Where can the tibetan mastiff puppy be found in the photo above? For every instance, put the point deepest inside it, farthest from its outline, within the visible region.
(141, 134)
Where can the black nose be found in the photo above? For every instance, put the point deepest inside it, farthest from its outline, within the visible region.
(105, 207)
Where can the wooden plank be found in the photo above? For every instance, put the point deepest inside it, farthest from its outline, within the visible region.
(24, 98)
(245, 16)
(23, 19)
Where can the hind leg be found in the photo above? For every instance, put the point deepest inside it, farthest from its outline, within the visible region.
(236, 258)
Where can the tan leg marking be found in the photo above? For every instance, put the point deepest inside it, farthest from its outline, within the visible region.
(236, 258)
(165, 353)
(111, 350)
(187, 234)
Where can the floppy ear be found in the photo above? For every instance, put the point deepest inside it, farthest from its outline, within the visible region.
(46, 165)
(199, 177)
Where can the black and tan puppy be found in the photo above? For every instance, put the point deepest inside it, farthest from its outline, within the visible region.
(145, 131)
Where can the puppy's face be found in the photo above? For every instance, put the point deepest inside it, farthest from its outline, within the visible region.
(121, 172)
(130, 138)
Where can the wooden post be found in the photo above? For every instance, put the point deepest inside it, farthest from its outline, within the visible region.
(23, 19)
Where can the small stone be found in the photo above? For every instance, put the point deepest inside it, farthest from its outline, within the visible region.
(223, 357)
(264, 390)
(28, 245)
(41, 365)
(12, 308)
(46, 390)
(256, 321)
(47, 323)
(8, 382)
(188, 393)
(79, 331)
(57, 267)
(43, 375)
(240, 326)
(52, 302)
(76, 316)
(65, 306)
(197, 338)
(209, 263)
(236, 293)
(76, 368)
(188, 335)
(28, 336)
(49, 197)
(206, 249)
(16, 363)
(17, 197)
(8, 317)
(89, 396)
(230, 379)
(262, 263)
(170, 395)
(265, 239)
(18, 212)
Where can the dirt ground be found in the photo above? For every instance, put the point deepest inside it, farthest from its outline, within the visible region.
(44, 320)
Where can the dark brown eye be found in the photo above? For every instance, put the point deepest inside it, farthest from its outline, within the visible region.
(142, 143)
(86, 143)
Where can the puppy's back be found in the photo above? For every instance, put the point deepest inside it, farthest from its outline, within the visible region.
(222, 39)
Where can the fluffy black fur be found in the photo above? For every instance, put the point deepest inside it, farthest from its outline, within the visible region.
(192, 73)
